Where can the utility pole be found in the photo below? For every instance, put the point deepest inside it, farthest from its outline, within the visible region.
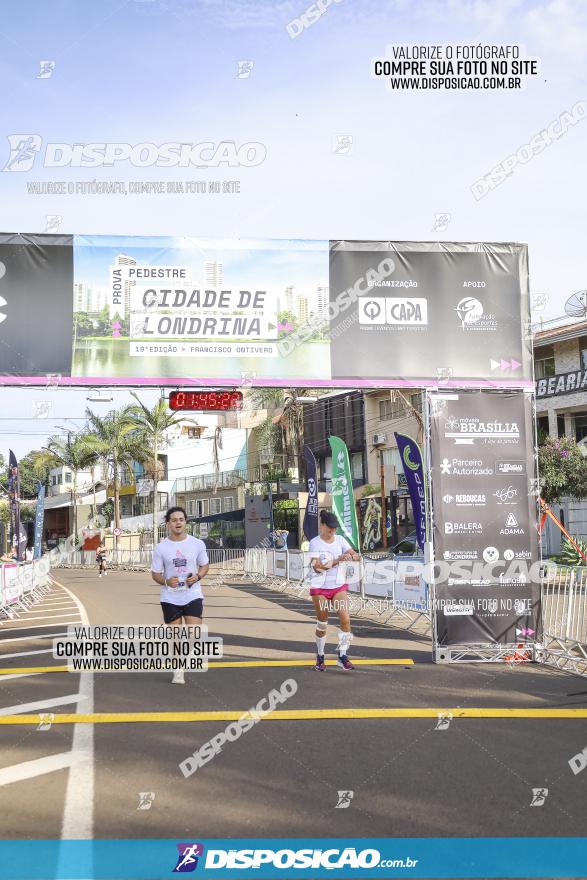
(383, 516)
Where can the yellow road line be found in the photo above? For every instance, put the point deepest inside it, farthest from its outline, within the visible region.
(224, 664)
(295, 715)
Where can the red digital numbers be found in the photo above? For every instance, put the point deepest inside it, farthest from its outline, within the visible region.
(206, 401)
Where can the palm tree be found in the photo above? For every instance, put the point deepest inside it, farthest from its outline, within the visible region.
(153, 425)
(284, 427)
(75, 455)
(116, 441)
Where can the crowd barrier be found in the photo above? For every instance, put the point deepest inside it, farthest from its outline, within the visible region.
(564, 618)
(22, 585)
(140, 560)
(393, 588)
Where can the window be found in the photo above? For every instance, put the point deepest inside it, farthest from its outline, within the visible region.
(392, 459)
(202, 507)
(59, 479)
(215, 505)
(560, 426)
(68, 477)
(395, 409)
(385, 409)
(416, 401)
(580, 426)
(357, 465)
(544, 361)
(583, 351)
(228, 503)
(53, 480)
(542, 428)
(191, 507)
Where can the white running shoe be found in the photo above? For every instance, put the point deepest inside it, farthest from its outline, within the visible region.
(99, 575)
(178, 677)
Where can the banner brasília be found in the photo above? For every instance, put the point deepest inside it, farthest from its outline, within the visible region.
(484, 501)
(263, 312)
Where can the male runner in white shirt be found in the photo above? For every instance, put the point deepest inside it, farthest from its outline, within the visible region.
(179, 564)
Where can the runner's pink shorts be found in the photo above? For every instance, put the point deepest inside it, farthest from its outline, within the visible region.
(329, 594)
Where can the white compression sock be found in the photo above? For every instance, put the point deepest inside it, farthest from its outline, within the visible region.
(320, 643)
(344, 642)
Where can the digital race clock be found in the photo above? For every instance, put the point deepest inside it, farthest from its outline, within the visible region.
(206, 401)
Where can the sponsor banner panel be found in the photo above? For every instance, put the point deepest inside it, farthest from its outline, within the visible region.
(36, 304)
(424, 309)
(487, 613)
(484, 493)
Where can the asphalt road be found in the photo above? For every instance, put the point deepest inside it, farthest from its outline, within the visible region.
(282, 778)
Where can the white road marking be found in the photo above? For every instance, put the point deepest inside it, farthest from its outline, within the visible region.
(78, 812)
(37, 767)
(51, 617)
(40, 705)
(29, 638)
(25, 653)
(52, 608)
(19, 625)
(4, 678)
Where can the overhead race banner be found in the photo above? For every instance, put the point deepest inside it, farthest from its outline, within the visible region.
(228, 312)
(411, 457)
(343, 499)
(485, 517)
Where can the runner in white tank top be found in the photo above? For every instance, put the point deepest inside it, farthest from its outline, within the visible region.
(327, 550)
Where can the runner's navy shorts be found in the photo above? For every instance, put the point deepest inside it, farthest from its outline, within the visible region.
(174, 612)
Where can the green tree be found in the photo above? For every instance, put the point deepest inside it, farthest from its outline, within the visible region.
(74, 454)
(286, 414)
(153, 425)
(563, 469)
(117, 442)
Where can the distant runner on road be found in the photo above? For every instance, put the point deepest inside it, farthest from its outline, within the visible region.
(179, 564)
(327, 550)
(101, 554)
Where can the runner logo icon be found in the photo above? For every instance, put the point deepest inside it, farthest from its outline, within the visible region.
(187, 860)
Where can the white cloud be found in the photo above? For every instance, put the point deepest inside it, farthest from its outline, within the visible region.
(560, 25)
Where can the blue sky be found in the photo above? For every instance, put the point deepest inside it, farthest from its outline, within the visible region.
(165, 70)
(157, 71)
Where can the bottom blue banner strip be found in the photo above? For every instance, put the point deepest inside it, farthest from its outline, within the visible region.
(304, 858)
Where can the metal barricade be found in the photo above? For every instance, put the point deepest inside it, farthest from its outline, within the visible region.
(564, 619)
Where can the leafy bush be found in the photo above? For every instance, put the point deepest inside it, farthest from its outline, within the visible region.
(569, 554)
(562, 469)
